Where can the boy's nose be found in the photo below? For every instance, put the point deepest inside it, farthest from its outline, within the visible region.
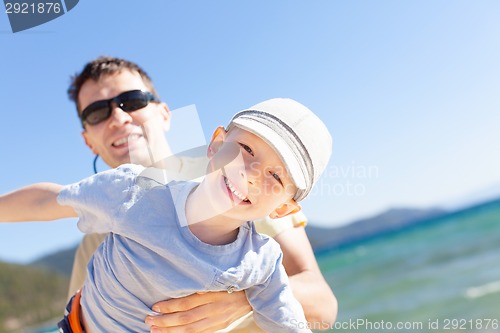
(245, 177)
(240, 170)
(252, 173)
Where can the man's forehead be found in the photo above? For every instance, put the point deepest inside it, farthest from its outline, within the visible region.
(124, 79)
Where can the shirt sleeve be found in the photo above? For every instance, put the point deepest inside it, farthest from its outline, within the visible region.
(273, 227)
(274, 306)
(101, 199)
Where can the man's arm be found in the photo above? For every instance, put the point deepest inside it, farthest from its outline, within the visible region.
(36, 202)
(275, 309)
(197, 312)
(307, 282)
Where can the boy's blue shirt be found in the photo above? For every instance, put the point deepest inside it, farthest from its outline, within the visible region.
(151, 255)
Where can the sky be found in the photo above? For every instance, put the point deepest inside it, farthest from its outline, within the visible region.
(410, 91)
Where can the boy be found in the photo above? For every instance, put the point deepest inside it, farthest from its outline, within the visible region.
(268, 159)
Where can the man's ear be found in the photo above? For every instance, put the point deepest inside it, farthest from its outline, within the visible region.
(217, 139)
(289, 207)
(165, 115)
(88, 143)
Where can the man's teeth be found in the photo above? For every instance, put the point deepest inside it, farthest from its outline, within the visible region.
(234, 191)
(126, 139)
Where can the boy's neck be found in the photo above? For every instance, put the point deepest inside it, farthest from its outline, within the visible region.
(203, 221)
(210, 235)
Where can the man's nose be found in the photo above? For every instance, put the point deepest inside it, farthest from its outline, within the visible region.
(119, 117)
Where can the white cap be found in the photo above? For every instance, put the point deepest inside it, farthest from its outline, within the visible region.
(299, 137)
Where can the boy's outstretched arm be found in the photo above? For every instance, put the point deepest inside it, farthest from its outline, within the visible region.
(37, 202)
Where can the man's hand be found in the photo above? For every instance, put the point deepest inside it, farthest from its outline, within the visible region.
(199, 313)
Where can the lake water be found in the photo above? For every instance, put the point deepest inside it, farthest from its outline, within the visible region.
(443, 276)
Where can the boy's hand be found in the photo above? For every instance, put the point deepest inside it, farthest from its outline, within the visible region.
(201, 312)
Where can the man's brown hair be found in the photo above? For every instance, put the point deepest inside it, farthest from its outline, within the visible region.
(104, 66)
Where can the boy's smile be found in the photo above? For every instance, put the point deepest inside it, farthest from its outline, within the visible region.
(234, 193)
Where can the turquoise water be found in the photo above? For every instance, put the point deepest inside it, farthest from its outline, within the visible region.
(443, 276)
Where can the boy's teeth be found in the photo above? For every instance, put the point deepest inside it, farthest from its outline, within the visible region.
(234, 191)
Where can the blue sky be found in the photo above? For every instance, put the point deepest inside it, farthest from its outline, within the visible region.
(409, 89)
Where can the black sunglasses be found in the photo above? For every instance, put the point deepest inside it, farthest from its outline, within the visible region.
(128, 101)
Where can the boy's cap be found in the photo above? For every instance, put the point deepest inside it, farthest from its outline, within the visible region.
(299, 137)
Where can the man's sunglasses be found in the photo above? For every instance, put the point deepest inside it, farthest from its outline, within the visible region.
(128, 101)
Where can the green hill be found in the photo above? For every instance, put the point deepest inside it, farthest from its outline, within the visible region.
(58, 262)
(29, 296)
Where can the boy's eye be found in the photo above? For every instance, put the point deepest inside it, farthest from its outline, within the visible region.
(248, 149)
(276, 176)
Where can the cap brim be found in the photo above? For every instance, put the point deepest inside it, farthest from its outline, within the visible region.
(279, 145)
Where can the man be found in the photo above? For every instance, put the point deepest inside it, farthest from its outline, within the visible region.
(121, 127)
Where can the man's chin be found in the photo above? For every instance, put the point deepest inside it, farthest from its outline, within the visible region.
(140, 160)
(119, 160)
(138, 155)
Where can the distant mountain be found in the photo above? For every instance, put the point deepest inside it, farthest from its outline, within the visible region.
(485, 194)
(321, 238)
(389, 221)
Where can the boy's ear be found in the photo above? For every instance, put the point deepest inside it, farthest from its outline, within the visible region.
(217, 139)
(289, 207)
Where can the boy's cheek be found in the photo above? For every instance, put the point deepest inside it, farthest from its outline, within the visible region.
(229, 154)
(290, 190)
